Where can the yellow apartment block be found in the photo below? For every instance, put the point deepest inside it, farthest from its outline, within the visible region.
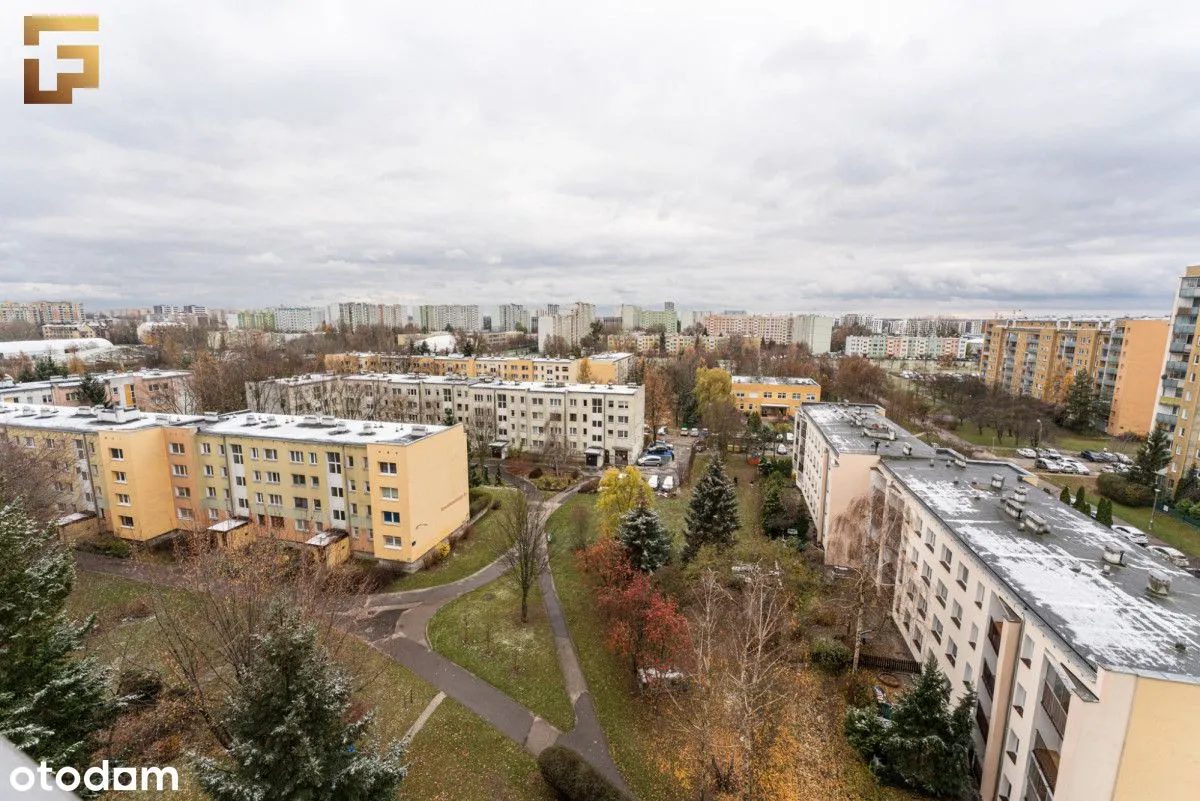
(1132, 374)
(1178, 398)
(1039, 358)
(774, 397)
(387, 491)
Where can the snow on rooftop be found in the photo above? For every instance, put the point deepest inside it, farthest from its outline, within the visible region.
(791, 382)
(317, 429)
(228, 525)
(843, 424)
(1109, 620)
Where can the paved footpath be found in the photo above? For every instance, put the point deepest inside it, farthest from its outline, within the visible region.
(396, 624)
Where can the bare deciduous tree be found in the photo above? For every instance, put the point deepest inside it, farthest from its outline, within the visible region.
(40, 474)
(522, 525)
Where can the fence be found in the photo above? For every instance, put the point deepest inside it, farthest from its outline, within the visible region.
(888, 663)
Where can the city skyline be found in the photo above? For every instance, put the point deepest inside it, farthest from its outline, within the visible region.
(948, 159)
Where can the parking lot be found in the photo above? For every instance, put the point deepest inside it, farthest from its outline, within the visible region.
(676, 467)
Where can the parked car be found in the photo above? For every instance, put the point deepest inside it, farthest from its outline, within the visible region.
(1172, 555)
(695, 432)
(668, 483)
(1048, 464)
(649, 460)
(781, 449)
(1027, 453)
(1089, 455)
(1076, 467)
(653, 481)
(1123, 459)
(1134, 535)
(659, 449)
(1108, 457)
(662, 431)
(790, 437)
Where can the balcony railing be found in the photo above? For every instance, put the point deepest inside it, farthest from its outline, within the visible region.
(989, 680)
(1054, 710)
(993, 635)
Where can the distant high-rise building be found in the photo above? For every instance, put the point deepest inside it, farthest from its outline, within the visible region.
(571, 325)
(668, 305)
(355, 315)
(813, 330)
(299, 319)
(512, 315)
(1177, 401)
(457, 317)
(635, 318)
(41, 312)
(487, 322)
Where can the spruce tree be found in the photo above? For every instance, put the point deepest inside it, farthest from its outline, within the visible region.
(1081, 402)
(1153, 456)
(646, 539)
(53, 700)
(712, 514)
(1081, 499)
(1104, 512)
(1065, 495)
(289, 732)
(92, 391)
(772, 513)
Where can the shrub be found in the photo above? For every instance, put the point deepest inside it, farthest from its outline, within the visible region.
(535, 473)
(496, 503)
(1122, 490)
(139, 685)
(1184, 507)
(859, 691)
(105, 545)
(438, 554)
(574, 779)
(591, 485)
(830, 655)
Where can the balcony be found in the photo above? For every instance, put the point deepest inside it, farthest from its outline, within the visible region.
(981, 720)
(1184, 325)
(1054, 709)
(1179, 346)
(988, 680)
(1163, 418)
(1189, 292)
(993, 636)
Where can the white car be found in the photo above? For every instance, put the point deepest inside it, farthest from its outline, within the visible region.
(781, 449)
(1076, 467)
(790, 437)
(1027, 453)
(649, 461)
(695, 432)
(1172, 555)
(653, 481)
(668, 483)
(1136, 536)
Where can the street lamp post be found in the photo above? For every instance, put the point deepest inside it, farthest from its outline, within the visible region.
(1039, 439)
(1152, 508)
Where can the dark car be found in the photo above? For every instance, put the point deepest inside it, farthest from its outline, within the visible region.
(1089, 455)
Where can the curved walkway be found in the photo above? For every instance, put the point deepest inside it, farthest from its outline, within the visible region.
(396, 624)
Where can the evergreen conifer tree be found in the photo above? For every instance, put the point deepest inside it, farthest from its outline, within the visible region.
(1080, 499)
(1153, 456)
(1081, 402)
(53, 701)
(289, 735)
(646, 539)
(1065, 495)
(712, 514)
(1104, 512)
(772, 512)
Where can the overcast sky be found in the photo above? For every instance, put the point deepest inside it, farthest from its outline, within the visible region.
(890, 157)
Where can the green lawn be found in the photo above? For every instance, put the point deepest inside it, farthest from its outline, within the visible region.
(482, 631)
(456, 756)
(1170, 530)
(1053, 437)
(475, 552)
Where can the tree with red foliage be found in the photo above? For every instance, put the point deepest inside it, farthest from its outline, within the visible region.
(643, 624)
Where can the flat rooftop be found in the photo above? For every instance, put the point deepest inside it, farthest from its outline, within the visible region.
(1109, 620)
(791, 382)
(614, 356)
(488, 381)
(316, 429)
(843, 425)
(85, 419)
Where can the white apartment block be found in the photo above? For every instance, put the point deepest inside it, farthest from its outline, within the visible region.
(457, 317)
(354, 315)
(512, 315)
(600, 424)
(1083, 650)
(299, 319)
(836, 447)
(813, 330)
(892, 346)
(572, 324)
(150, 390)
(635, 318)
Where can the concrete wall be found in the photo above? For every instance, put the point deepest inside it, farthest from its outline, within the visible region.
(1161, 760)
(1138, 375)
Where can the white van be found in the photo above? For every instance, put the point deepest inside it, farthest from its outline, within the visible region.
(668, 483)
(653, 481)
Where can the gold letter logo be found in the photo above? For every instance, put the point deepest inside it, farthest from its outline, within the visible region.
(68, 82)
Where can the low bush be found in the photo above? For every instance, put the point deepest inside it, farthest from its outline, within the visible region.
(438, 554)
(574, 779)
(830, 655)
(535, 473)
(553, 483)
(139, 685)
(105, 545)
(590, 486)
(1122, 490)
(858, 690)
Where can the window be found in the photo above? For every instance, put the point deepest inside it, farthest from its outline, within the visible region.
(236, 452)
(1011, 746)
(393, 542)
(352, 485)
(300, 503)
(1027, 651)
(258, 497)
(257, 476)
(316, 505)
(335, 462)
(183, 513)
(221, 450)
(967, 674)
(312, 457)
(979, 595)
(930, 539)
(947, 556)
(936, 628)
(239, 480)
(301, 525)
(205, 448)
(926, 573)
(211, 492)
(176, 448)
(272, 478)
(179, 470)
(314, 481)
(951, 651)
(963, 575)
(208, 470)
(122, 500)
(275, 500)
(956, 614)
(119, 477)
(338, 514)
(183, 492)
(390, 493)
(254, 453)
(387, 468)
(213, 514)
(1019, 698)
(337, 492)
(974, 635)
(350, 462)
(296, 457)
(270, 454)
(116, 453)
(391, 518)
(299, 480)
(126, 521)
(941, 594)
